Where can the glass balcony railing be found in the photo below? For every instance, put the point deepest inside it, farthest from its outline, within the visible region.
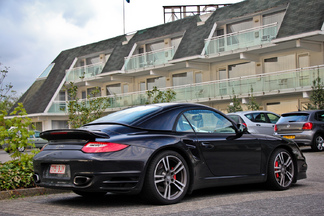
(149, 59)
(283, 81)
(80, 73)
(242, 39)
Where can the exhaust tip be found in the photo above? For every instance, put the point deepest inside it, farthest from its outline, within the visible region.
(81, 180)
(36, 178)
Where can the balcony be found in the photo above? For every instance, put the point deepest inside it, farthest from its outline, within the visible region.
(297, 80)
(149, 59)
(242, 39)
(85, 72)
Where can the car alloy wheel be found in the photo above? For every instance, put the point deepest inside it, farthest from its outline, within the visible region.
(167, 178)
(318, 143)
(281, 170)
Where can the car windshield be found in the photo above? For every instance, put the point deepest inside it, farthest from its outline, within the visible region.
(296, 117)
(128, 116)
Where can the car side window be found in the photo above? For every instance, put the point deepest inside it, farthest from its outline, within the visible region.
(320, 116)
(273, 118)
(208, 121)
(183, 125)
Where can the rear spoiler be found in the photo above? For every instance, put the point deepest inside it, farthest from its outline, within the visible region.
(72, 134)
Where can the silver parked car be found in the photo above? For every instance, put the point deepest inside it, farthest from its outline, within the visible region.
(304, 127)
(257, 122)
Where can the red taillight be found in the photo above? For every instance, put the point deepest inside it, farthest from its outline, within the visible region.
(275, 128)
(99, 147)
(308, 126)
(244, 124)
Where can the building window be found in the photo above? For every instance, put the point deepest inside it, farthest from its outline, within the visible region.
(158, 82)
(94, 92)
(142, 86)
(62, 96)
(113, 89)
(125, 88)
(273, 18)
(236, 27)
(59, 124)
(239, 70)
(84, 94)
(47, 71)
(198, 77)
(280, 63)
(182, 78)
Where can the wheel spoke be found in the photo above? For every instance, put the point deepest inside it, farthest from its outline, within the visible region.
(178, 168)
(179, 185)
(289, 175)
(288, 162)
(167, 191)
(166, 163)
(159, 178)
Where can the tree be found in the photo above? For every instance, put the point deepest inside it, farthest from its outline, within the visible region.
(317, 95)
(81, 112)
(7, 95)
(157, 96)
(235, 106)
(14, 131)
(252, 104)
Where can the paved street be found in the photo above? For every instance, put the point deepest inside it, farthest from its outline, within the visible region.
(304, 198)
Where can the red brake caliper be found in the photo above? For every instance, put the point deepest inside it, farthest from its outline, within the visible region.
(277, 164)
(174, 176)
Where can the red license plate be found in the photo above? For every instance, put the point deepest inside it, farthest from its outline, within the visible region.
(57, 169)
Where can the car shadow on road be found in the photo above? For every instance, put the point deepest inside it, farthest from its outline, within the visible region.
(135, 201)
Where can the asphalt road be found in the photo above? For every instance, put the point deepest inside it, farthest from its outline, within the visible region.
(304, 198)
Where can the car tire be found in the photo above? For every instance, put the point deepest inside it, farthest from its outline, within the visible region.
(87, 194)
(167, 179)
(318, 142)
(281, 170)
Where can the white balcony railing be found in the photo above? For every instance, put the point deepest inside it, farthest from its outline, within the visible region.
(275, 82)
(80, 73)
(149, 59)
(242, 39)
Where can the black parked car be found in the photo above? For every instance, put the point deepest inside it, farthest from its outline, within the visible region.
(304, 127)
(164, 151)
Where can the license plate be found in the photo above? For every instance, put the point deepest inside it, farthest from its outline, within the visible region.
(289, 137)
(57, 169)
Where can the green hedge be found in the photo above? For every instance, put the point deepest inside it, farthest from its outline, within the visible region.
(17, 174)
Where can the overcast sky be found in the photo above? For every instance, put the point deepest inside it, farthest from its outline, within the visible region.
(34, 32)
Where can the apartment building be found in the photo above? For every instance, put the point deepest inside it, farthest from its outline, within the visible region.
(274, 47)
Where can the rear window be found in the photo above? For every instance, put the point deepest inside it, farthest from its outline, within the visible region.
(129, 116)
(296, 117)
(235, 118)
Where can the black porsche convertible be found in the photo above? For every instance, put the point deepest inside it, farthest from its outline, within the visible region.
(164, 151)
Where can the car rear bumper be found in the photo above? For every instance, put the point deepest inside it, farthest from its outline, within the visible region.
(100, 172)
(304, 138)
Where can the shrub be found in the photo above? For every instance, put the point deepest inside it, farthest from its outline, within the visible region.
(17, 173)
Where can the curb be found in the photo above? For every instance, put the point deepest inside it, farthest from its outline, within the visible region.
(28, 192)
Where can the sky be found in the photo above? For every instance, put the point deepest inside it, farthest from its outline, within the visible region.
(34, 32)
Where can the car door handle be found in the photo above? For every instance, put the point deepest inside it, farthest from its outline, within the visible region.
(207, 145)
(258, 125)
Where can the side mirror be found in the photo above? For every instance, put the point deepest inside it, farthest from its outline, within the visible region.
(242, 128)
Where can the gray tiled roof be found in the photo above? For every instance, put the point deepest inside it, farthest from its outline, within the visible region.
(301, 16)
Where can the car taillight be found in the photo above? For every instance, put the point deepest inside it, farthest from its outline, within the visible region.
(244, 124)
(275, 128)
(100, 147)
(308, 126)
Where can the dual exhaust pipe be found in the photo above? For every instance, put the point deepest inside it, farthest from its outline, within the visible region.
(77, 181)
